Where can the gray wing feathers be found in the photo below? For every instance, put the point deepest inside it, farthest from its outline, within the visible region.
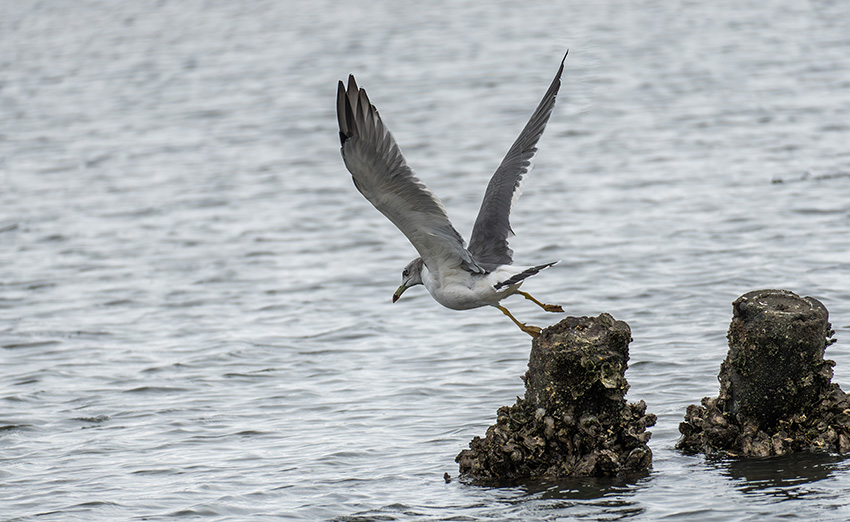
(381, 174)
(489, 240)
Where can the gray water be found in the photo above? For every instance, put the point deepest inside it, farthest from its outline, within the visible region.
(195, 315)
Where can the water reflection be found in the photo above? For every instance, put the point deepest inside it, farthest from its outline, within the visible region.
(580, 496)
(781, 476)
(528, 500)
(584, 488)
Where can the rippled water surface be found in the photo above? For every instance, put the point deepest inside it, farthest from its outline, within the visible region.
(195, 315)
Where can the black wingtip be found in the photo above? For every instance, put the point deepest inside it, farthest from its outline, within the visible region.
(564, 59)
(341, 100)
(344, 110)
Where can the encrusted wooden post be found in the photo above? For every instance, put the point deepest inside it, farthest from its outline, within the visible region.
(574, 419)
(776, 394)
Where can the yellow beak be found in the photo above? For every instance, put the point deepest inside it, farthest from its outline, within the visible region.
(398, 292)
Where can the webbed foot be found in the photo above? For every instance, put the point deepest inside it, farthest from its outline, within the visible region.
(533, 331)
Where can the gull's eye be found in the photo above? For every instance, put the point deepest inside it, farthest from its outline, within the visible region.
(405, 273)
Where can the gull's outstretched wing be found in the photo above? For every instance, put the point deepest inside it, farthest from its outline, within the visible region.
(489, 240)
(381, 174)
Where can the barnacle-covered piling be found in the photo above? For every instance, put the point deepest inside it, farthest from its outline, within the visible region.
(776, 394)
(574, 419)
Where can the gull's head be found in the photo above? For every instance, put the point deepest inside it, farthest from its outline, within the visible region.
(410, 276)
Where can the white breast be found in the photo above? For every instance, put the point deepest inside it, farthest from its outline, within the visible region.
(459, 290)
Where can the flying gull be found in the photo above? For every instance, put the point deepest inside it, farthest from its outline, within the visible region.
(457, 277)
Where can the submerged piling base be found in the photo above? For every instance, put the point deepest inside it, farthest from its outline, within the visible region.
(574, 419)
(776, 394)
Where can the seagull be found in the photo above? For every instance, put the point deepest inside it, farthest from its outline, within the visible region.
(456, 276)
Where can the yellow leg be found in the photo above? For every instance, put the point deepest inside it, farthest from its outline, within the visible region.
(547, 307)
(530, 330)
